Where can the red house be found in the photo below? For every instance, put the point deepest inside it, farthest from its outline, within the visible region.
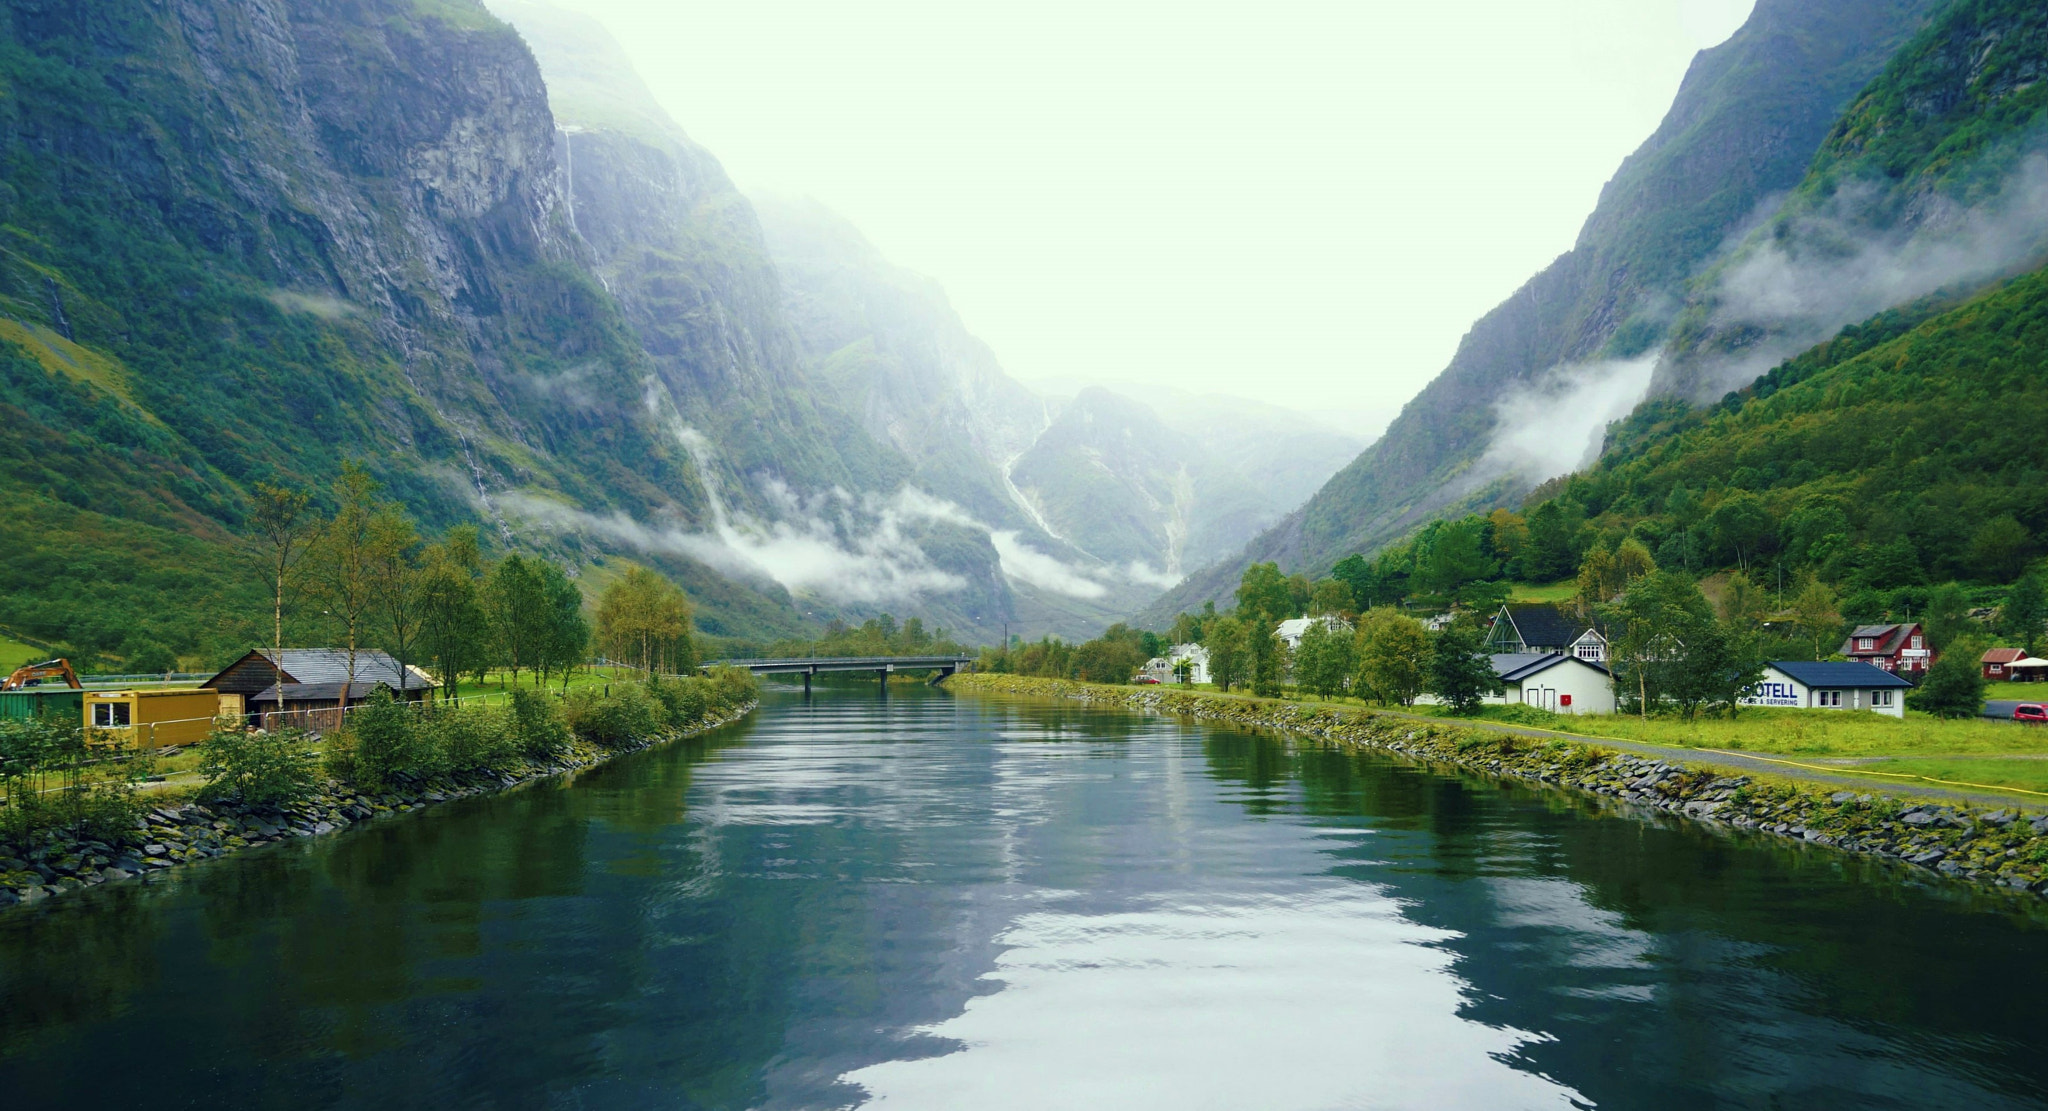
(1998, 663)
(1899, 649)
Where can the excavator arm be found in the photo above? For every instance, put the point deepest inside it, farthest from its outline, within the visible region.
(35, 675)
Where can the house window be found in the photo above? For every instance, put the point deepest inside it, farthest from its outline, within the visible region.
(1865, 644)
(1916, 642)
(1995, 669)
(1832, 699)
(1589, 651)
(110, 715)
(1880, 698)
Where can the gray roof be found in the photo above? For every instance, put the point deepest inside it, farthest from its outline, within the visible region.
(1544, 625)
(1833, 673)
(1513, 667)
(330, 665)
(323, 692)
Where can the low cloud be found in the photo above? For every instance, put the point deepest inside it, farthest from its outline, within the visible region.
(1555, 424)
(1028, 565)
(1834, 266)
(312, 304)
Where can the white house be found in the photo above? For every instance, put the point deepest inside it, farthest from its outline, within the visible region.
(1554, 681)
(1828, 685)
(1550, 681)
(1195, 657)
(1294, 628)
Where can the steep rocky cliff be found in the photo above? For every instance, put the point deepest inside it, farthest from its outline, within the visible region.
(248, 239)
(1746, 123)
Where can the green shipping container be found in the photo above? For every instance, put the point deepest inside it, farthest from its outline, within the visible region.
(44, 701)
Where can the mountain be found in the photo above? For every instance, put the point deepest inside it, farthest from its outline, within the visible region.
(1111, 496)
(244, 242)
(1934, 179)
(1746, 124)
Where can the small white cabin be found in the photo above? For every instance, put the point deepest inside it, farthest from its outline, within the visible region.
(1554, 681)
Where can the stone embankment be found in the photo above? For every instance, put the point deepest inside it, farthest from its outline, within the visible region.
(2002, 848)
(185, 833)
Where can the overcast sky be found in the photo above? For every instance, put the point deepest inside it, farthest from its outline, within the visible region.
(1304, 202)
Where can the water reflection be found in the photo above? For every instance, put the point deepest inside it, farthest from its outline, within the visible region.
(926, 902)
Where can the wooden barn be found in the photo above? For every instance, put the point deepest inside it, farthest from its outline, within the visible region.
(306, 688)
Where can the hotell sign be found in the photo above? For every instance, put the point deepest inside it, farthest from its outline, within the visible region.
(1771, 693)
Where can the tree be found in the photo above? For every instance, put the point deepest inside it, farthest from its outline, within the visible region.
(1596, 577)
(1510, 533)
(644, 619)
(1632, 561)
(1741, 526)
(1263, 597)
(1999, 549)
(1718, 662)
(1954, 687)
(1268, 658)
(1817, 614)
(280, 517)
(1460, 671)
(1659, 618)
(345, 558)
(399, 578)
(1326, 659)
(1393, 656)
(1329, 597)
(1744, 604)
(1187, 629)
(1108, 659)
(1948, 615)
(515, 597)
(1225, 639)
(453, 627)
(564, 634)
(1450, 555)
(2025, 608)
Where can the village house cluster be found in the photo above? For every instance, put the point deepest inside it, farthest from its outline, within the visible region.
(1548, 657)
(306, 688)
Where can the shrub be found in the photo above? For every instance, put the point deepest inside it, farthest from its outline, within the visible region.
(536, 726)
(258, 768)
(388, 742)
(469, 737)
(627, 715)
(686, 700)
(733, 686)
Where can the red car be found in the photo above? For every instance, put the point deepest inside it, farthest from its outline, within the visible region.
(2030, 712)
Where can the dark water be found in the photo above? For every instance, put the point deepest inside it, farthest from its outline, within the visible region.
(962, 904)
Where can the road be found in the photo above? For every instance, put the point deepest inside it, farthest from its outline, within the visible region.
(2001, 708)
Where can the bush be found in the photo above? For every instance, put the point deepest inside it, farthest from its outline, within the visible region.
(536, 726)
(386, 741)
(32, 753)
(733, 687)
(686, 700)
(467, 738)
(626, 716)
(258, 768)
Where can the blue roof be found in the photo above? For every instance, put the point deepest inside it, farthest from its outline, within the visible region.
(1829, 673)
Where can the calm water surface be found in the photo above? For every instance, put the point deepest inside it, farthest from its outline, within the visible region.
(934, 903)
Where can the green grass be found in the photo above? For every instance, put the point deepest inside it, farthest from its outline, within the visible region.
(1820, 733)
(2022, 692)
(14, 653)
(2020, 775)
(1554, 592)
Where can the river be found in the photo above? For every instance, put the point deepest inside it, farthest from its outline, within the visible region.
(929, 902)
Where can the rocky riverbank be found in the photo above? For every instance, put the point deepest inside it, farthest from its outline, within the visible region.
(172, 834)
(2002, 848)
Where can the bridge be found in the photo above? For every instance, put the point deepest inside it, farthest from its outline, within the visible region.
(808, 666)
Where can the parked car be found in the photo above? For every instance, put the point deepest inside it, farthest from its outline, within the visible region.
(2028, 711)
(1145, 681)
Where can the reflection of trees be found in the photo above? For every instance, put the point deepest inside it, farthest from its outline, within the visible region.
(1705, 962)
(71, 962)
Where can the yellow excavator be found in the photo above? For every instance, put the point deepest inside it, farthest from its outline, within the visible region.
(35, 675)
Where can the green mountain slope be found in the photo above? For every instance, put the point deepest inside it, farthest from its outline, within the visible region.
(1746, 123)
(1934, 178)
(1879, 460)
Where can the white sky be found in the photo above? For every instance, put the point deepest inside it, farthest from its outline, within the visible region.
(1304, 202)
